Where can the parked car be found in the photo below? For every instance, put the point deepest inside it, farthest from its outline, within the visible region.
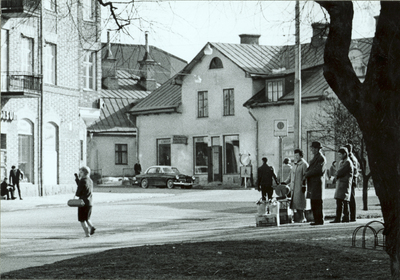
(162, 175)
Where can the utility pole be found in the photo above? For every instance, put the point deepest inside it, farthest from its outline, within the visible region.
(297, 82)
(40, 107)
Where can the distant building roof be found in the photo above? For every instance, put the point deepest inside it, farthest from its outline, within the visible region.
(113, 116)
(165, 99)
(128, 56)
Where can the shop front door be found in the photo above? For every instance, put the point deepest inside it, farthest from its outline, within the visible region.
(216, 160)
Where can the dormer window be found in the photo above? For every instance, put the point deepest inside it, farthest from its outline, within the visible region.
(216, 63)
(274, 90)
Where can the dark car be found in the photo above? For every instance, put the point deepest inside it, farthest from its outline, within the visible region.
(162, 175)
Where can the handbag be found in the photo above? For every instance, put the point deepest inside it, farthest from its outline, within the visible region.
(76, 202)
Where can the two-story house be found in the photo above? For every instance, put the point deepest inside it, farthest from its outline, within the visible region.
(226, 102)
(50, 77)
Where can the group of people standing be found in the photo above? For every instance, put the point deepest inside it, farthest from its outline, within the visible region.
(307, 181)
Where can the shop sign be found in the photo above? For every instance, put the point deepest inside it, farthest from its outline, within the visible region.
(8, 116)
(179, 139)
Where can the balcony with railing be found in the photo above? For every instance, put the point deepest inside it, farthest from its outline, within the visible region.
(20, 8)
(19, 84)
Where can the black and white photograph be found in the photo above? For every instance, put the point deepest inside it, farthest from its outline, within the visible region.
(152, 139)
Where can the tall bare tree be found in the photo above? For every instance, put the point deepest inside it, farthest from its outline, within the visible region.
(375, 103)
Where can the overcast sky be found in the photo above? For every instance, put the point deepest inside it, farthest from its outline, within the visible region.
(184, 27)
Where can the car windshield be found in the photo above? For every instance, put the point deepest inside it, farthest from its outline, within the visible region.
(171, 170)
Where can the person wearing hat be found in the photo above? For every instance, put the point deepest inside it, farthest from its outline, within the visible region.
(352, 204)
(265, 175)
(315, 176)
(344, 178)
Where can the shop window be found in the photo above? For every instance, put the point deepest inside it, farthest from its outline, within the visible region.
(202, 104)
(164, 151)
(229, 102)
(3, 141)
(4, 59)
(25, 149)
(121, 154)
(231, 145)
(200, 155)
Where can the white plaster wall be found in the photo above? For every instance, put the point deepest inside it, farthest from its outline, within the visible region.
(269, 144)
(152, 127)
(102, 154)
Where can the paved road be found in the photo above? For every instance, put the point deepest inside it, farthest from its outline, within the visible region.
(43, 230)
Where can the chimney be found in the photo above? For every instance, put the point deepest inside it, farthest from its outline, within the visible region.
(250, 39)
(147, 75)
(108, 68)
(320, 33)
(376, 21)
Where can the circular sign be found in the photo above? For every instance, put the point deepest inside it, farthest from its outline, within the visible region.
(280, 125)
(245, 159)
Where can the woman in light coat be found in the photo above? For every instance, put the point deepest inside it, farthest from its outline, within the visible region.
(297, 185)
(344, 177)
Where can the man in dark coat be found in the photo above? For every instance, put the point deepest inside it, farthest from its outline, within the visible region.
(265, 175)
(6, 189)
(315, 176)
(15, 176)
(354, 161)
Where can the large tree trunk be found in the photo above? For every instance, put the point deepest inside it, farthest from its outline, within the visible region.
(374, 103)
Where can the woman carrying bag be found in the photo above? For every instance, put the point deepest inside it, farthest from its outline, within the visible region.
(84, 192)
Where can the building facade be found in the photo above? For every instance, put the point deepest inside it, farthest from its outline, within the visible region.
(234, 101)
(50, 78)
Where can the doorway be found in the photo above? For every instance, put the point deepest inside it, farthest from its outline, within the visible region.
(215, 172)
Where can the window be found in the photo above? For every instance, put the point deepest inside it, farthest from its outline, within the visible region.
(49, 63)
(50, 5)
(81, 142)
(4, 58)
(231, 144)
(229, 102)
(27, 55)
(121, 154)
(274, 90)
(202, 104)
(200, 155)
(89, 70)
(87, 9)
(50, 154)
(164, 151)
(25, 149)
(216, 63)
(3, 141)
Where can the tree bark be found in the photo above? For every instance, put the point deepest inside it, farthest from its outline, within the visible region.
(374, 103)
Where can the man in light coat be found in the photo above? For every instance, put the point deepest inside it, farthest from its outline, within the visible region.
(344, 178)
(297, 186)
(315, 176)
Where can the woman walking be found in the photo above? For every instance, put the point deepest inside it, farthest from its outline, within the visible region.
(297, 185)
(84, 191)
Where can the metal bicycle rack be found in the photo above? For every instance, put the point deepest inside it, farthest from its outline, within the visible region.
(374, 231)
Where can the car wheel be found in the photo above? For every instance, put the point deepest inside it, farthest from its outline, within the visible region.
(144, 183)
(170, 184)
